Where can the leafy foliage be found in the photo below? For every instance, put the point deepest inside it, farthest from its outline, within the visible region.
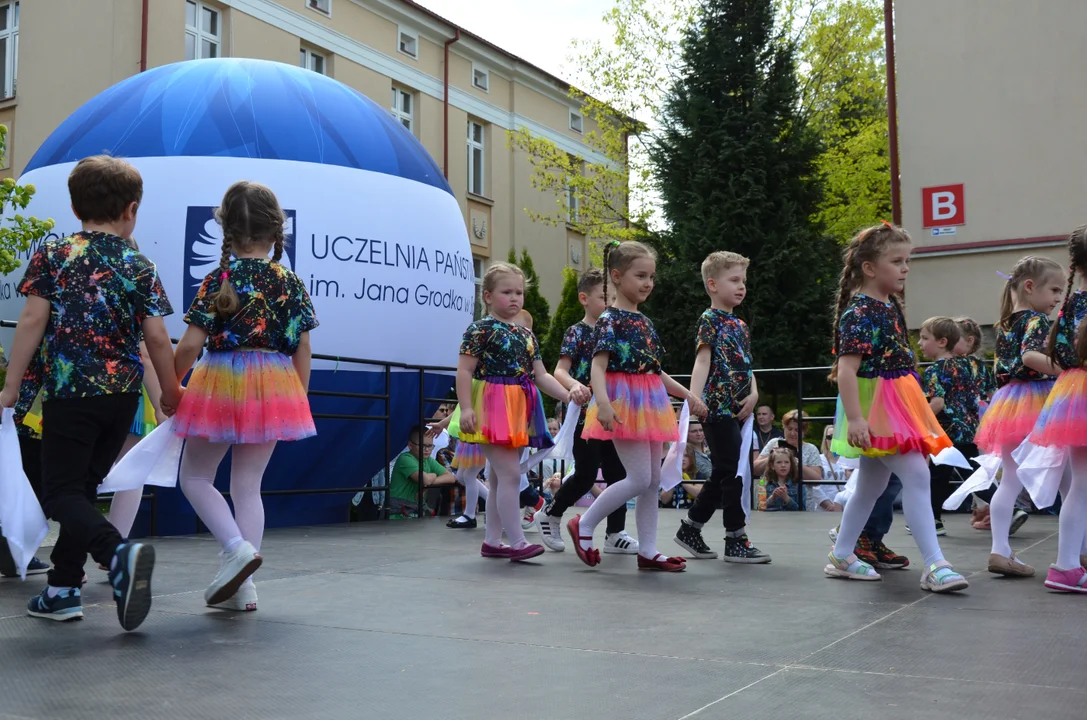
(568, 312)
(17, 232)
(535, 303)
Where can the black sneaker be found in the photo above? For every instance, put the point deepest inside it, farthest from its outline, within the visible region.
(131, 581)
(740, 550)
(35, 567)
(690, 539)
(940, 529)
(67, 605)
(463, 522)
(1018, 518)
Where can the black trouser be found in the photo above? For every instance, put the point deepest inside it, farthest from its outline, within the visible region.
(589, 457)
(81, 438)
(941, 476)
(724, 487)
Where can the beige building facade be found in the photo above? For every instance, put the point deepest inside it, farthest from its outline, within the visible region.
(991, 96)
(57, 54)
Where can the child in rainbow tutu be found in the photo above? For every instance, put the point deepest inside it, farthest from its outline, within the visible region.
(883, 417)
(1024, 377)
(249, 390)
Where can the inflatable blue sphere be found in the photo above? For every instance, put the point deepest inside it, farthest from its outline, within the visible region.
(373, 231)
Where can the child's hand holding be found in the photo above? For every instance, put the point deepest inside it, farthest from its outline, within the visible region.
(467, 421)
(171, 399)
(606, 415)
(748, 406)
(859, 435)
(698, 408)
(580, 394)
(8, 397)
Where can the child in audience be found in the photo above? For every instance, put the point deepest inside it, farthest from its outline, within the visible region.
(882, 416)
(248, 392)
(630, 406)
(1024, 376)
(781, 491)
(722, 378)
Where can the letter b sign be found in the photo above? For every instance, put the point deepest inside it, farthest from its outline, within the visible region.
(943, 206)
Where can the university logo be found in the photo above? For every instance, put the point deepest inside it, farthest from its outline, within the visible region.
(204, 247)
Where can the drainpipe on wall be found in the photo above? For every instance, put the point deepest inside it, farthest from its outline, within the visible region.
(892, 111)
(445, 104)
(143, 38)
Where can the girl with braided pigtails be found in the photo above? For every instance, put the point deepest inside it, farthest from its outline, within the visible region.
(249, 390)
(883, 417)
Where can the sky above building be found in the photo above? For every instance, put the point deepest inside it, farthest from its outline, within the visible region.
(539, 32)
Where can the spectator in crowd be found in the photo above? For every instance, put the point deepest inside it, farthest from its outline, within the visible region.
(821, 498)
(696, 438)
(764, 428)
(407, 477)
(684, 494)
(781, 490)
(812, 465)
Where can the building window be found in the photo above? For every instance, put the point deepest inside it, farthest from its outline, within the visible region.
(481, 79)
(5, 157)
(572, 204)
(577, 122)
(475, 158)
(403, 108)
(311, 60)
(9, 47)
(480, 266)
(203, 31)
(322, 6)
(409, 44)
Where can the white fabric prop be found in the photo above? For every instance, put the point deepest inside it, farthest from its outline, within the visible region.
(21, 516)
(1040, 471)
(153, 461)
(951, 456)
(981, 478)
(743, 469)
(563, 449)
(672, 470)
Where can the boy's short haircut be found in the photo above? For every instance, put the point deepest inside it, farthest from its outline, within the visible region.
(101, 187)
(790, 417)
(589, 280)
(715, 262)
(943, 328)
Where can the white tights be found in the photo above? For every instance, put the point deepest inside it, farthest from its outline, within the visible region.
(503, 504)
(198, 465)
(875, 473)
(474, 489)
(1073, 519)
(1002, 506)
(126, 503)
(642, 461)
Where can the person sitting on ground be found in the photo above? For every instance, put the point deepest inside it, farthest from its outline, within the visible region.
(683, 495)
(696, 438)
(781, 492)
(813, 467)
(820, 498)
(406, 477)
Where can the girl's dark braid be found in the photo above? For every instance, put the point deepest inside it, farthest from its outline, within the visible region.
(607, 270)
(277, 252)
(847, 284)
(1077, 260)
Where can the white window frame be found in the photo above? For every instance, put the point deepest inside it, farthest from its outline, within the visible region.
(401, 32)
(573, 204)
(580, 122)
(11, 59)
(407, 119)
(307, 56)
(315, 6)
(477, 71)
(199, 35)
(479, 267)
(481, 146)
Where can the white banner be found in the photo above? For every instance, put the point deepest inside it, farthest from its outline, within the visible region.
(386, 260)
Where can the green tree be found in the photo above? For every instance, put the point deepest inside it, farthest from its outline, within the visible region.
(535, 303)
(18, 233)
(736, 168)
(568, 312)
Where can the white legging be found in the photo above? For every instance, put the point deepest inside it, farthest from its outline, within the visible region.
(1073, 519)
(873, 476)
(198, 465)
(126, 503)
(1002, 506)
(503, 506)
(642, 461)
(474, 489)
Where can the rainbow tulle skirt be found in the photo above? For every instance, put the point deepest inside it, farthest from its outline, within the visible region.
(1012, 414)
(144, 421)
(899, 418)
(468, 456)
(508, 414)
(1063, 420)
(642, 407)
(245, 396)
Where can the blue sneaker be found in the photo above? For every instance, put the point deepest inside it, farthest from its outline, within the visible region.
(36, 567)
(131, 581)
(65, 606)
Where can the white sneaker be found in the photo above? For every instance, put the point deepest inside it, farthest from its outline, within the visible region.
(621, 544)
(236, 567)
(245, 600)
(550, 531)
(834, 534)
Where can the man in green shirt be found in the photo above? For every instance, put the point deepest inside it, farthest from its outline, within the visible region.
(404, 485)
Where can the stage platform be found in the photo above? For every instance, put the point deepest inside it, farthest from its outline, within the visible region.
(404, 619)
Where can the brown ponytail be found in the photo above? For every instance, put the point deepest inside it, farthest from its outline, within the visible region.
(1028, 268)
